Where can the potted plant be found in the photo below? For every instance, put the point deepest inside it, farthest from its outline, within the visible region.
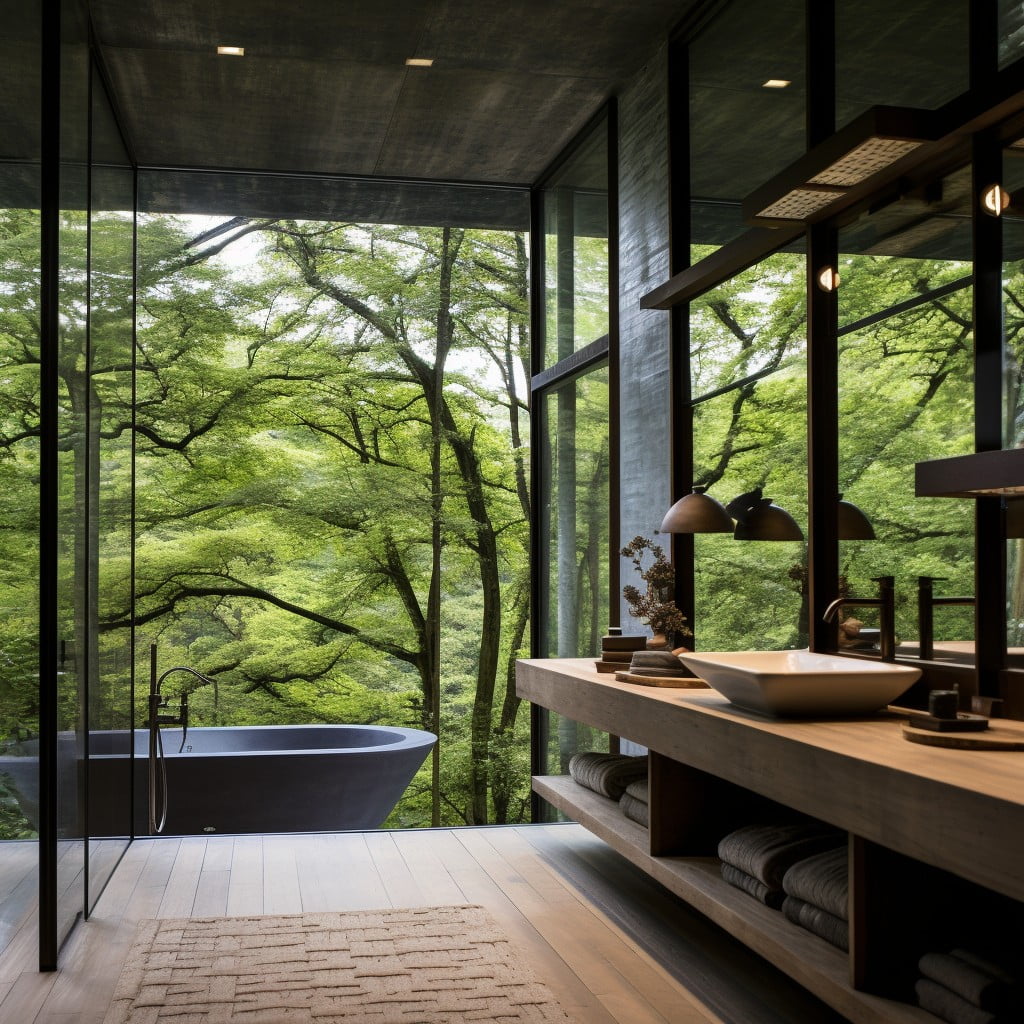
(655, 605)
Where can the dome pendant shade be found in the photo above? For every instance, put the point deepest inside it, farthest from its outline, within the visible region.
(758, 519)
(697, 513)
(853, 524)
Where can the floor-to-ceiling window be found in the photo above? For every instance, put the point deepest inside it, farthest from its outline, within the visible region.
(333, 500)
(572, 399)
(19, 466)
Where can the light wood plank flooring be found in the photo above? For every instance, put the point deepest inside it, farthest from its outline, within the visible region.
(615, 947)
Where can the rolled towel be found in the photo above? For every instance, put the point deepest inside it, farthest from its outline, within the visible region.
(753, 887)
(817, 921)
(635, 809)
(768, 851)
(948, 1006)
(638, 791)
(607, 774)
(823, 881)
(987, 987)
(1004, 962)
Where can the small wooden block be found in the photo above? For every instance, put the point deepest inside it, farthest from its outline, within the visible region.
(996, 737)
(680, 682)
(962, 723)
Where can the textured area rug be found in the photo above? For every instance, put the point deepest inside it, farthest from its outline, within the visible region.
(429, 964)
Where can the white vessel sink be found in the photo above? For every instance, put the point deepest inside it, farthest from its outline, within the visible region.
(791, 683)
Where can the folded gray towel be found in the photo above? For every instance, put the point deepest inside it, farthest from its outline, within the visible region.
(1003, 962)
(823, 881)
(749, 884)
(634, 809)
(948, 1006)
(768, 851)
(988, 989)
(820, 922)
(607, 774)
(638, 791)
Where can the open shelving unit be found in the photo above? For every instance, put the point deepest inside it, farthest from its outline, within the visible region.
(917, 817)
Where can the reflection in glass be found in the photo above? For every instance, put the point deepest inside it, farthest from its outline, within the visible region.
(753, 324)
(918, 54)
(19, 521)
(74, 616)
(752, 594)
(905, 395)
(742, 133)
(575, 513)
(574, 208)
(109, 499)
(1013, 393)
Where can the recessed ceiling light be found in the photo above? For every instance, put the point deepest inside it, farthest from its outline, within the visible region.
(419, 62)
(231, 51)
(777, 83)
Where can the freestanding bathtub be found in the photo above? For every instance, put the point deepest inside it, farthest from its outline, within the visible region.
(265, 778)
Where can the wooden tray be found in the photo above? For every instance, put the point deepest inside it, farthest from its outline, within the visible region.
(997, 736)
(679, 682)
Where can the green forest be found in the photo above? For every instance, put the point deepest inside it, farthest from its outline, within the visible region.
(324, 452)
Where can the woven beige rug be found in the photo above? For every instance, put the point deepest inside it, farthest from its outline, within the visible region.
(429, 964)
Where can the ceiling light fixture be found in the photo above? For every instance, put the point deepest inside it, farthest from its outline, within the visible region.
(231, 51)
(776, 83)
(419, 62)
(870, 147)
(994, 200)
(697, 512)
(757, 518)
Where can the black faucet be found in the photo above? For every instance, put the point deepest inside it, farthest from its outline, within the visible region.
(886, 605)
(926, 602)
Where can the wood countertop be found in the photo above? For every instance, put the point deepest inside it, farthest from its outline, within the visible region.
(959, 810)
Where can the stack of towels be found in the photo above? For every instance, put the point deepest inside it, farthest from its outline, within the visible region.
(617, 777)
(759, 859)
(818, 896)
(962, 987)
(634, 803)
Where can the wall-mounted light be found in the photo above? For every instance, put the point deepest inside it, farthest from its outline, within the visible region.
(994, 199)
(828, 279)
(776, 83)
(697, 512)
(419, 62)
(231, 51)
(757, 518)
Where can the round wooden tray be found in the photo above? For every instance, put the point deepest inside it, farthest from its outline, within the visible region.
(679, 682)
(996, 737)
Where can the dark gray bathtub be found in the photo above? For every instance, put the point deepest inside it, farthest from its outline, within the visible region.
(265, 778)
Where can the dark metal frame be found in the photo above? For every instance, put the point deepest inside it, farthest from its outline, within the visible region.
(548, 379)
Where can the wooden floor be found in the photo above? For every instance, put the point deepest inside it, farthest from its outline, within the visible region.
(615, 947)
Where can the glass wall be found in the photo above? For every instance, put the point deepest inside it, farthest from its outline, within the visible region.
(19, 467)
(918, 54)
(906, 395)
(574, 212)
(572, 435)
(72, 522)
(748, 372)
(109, 494)
(746, 101)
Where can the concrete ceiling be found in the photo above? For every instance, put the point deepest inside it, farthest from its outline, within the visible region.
(323, 86)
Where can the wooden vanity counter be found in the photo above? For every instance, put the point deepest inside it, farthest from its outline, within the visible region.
(916, 817)
(959, 810)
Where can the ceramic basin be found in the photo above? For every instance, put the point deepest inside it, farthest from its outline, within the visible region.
(791, 683)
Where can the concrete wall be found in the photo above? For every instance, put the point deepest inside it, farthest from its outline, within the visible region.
(644, 334)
